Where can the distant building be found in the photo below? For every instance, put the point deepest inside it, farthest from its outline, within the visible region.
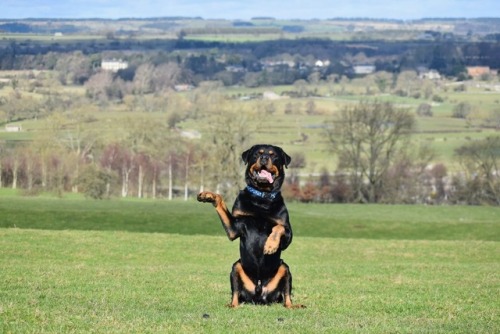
(322, 63)
(430, 74)
(477, 71)
(183, 88)
(190, 134)
(364, 69)
(271, 96)
(269, 64)
(113, 65)
(235, 68)
(13, 128)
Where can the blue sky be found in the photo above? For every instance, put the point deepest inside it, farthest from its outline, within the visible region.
(235, 9)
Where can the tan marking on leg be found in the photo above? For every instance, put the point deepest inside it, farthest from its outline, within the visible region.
(238, 213)
(247, 282)
(225, 217)
(288, 302)
(279, 221)
(273, 240)
(235, 301)
(273, 283)
(221, 209)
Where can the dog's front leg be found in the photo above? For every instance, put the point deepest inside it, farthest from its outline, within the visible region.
(281, 235)
(220, 206)
(273, 240)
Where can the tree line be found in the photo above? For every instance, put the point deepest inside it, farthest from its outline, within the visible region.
(150, 158)
(208, 59)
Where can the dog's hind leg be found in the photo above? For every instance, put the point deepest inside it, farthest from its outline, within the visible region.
(281, 286)
(241, 285)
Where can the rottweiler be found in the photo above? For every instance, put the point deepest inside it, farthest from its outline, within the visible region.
(260, 219)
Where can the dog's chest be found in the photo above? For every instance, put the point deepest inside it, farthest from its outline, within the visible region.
(258, 225)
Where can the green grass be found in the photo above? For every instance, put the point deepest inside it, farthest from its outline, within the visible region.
(312, 220)
(142, 266)
(122, 282)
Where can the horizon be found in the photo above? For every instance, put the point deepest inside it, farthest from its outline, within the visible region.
(360, 18)
(238, 10)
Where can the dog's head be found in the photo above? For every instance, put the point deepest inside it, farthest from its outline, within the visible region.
(265, 167)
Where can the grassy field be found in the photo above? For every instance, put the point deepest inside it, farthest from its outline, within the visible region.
(73, 265)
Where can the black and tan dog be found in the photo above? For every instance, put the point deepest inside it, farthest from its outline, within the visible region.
(260, 219)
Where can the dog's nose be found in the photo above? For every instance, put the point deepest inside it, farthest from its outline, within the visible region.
(264, 159)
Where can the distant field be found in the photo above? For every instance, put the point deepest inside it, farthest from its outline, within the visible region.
(80, 266)
(299, 132)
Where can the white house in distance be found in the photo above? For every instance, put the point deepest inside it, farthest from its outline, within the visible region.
(364, 69)
(13, 128)
(113, 65)
(430, 74)
(322, 63)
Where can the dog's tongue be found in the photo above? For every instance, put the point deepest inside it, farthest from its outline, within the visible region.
(266, 175)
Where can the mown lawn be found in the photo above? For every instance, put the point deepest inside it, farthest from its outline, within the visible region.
(73, 265)
(315, 220)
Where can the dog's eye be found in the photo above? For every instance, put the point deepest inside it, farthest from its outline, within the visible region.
(261, 151)
(271, 153)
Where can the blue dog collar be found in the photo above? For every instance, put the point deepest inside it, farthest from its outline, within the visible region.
(262, 194)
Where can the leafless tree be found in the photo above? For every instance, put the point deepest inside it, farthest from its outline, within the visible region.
(165, 76)
(480, 161)
(367, 137)
(73, 68)
(408, 83)
(143, 79)
(229, 136)
(99, 85)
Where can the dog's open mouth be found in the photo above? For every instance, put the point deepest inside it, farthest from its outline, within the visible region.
(263, 176)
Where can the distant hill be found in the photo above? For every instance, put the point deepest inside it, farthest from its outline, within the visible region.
(16, 27)
(309, 28)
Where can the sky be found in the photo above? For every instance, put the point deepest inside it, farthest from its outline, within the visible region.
(246, 9)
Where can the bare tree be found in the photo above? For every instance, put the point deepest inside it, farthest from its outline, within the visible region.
(165, 76)
(367, 137)
(73, 68)
(383, 80)
(143, 138)
(229, 137)
(408, 83)
(480, 161)
(98, 86)
(143, 79)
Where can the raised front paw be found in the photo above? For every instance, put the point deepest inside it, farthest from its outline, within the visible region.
(207, 197)
(272, 244)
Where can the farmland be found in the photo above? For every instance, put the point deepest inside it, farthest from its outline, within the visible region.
(441, 132)
(188, 96)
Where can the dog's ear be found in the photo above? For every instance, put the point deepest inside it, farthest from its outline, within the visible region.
(286, 158)
(246, 155)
